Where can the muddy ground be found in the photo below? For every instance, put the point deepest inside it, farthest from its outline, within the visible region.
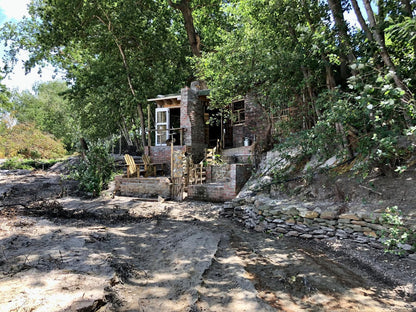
(59, 252)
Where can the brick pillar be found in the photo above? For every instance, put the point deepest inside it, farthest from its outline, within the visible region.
(185, 120)
(192, 119)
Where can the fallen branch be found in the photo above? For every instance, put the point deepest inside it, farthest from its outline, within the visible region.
(370, 189)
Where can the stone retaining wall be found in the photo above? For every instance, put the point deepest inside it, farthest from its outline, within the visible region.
(143, 187)
(307, 221)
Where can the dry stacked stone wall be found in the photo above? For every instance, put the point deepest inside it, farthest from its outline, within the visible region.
(306, 220)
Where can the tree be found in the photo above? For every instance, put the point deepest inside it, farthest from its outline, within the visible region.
(116, 54)
(305, 56)
(48, 110)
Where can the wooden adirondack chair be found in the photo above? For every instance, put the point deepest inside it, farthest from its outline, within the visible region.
(146, 167)
(132, 167)
(149, 168)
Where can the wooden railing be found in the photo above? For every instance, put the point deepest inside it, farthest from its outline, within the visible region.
(197, 173)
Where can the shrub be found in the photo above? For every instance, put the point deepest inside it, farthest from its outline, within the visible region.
(95, 170)
(28, 164)
(396, 235)
(25, 141)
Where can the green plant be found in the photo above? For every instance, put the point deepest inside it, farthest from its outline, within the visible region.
(217, 159)
(396, 234)
(95, 170)
(15, 163)
(28, 164)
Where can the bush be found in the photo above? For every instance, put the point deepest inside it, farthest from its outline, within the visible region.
(95, 170)
(28, 164)
(397, 235)
(25, 141)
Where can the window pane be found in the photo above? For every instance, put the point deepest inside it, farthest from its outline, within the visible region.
(161, 117)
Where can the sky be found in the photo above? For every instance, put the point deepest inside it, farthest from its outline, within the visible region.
(14, 10)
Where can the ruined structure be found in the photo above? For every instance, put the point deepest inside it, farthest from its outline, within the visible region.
(185, 123)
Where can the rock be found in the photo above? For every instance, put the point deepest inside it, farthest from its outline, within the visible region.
(312, 164)
(259, 228)
(328, 215)
(349, 216)
(361, 240)
(412, 257)
(311, 215)
(406, 247)
(291, 211)
(357, 228)
(308, 236)
(290, 221)
(344, 221)
(362, 223)
(371, 234)
(271, 226)
(327, 229)
(228, 205)
(281, 229)
(376, 227)
(341, 233)
(300, 228)
(330, 162)
(376, 245)
(331, 222)
(321, 236)
(293, 233)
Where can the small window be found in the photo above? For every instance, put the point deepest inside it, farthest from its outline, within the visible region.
(239, 113)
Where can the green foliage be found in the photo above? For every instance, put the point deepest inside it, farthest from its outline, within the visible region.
(28, 164)
(115, 55)
(396, 234)
(25, 141)
(328, 88)
(48, 110)
(289, 56)
(95, 170)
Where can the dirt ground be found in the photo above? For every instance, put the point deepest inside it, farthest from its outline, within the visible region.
(59, 252)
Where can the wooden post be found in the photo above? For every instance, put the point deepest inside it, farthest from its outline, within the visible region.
(171, 158)
(181, 136)
(222, 131)
(149, 136)
(202, 165)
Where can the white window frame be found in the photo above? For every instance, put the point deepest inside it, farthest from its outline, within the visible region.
(159, 139)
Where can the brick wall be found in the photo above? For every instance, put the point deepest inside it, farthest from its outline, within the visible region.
(256, 125)
(242, 154)
(220, 191)
(161, 154)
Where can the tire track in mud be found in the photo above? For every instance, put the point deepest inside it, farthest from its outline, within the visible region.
(289, 278)
(226, 285)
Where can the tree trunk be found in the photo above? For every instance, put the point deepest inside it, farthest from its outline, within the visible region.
(346, 54)
(361, 20)
(407, 7)
(109, 26)
(379, 38)
(409, 13)
(193, 37)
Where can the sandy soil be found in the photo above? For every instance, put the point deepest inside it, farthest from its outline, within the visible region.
(123, 254)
